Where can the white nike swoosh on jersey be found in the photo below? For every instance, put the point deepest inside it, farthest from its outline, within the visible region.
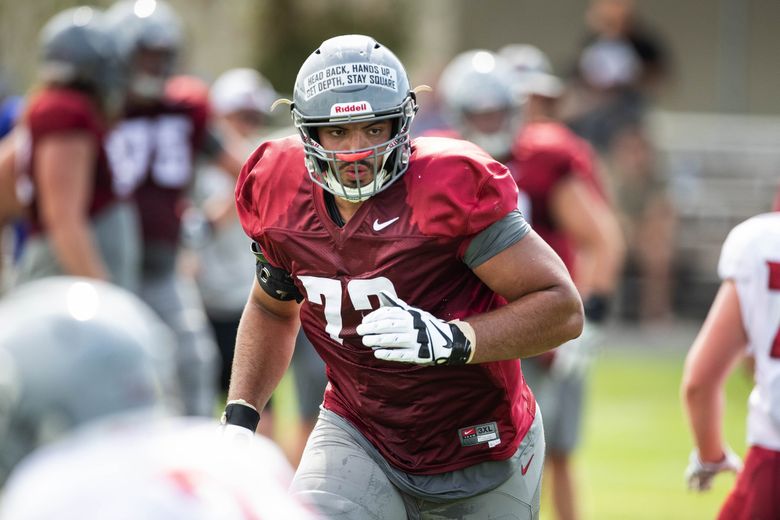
(380, 226)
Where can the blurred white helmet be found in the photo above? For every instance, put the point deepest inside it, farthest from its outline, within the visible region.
(73, 350)
(476, 83)
(242, 89)
(169, 469)
(534, 72)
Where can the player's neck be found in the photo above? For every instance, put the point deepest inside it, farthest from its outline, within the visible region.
(346, 208)
(340, 210)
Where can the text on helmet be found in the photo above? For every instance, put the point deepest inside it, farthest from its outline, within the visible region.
(349, 74)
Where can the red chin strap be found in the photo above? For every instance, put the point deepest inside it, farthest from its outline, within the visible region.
(353, 157)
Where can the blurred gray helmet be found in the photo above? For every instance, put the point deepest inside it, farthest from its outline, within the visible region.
(533, 69)
(73, 350)
(147, 25)
(352, 79)
(77, 49)
(478, 82)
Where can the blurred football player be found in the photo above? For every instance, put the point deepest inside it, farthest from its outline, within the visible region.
(419, 284)
(166, 469)
(241, 100)
(479, 103)
(504, 102)
(79, 226)
(72, 351)
(13, 210)
(153, 152)
(567, 204)
(744, 318)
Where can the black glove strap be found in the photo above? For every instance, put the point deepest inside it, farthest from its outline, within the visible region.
(461, 347)
(596, 308)
(241, 415)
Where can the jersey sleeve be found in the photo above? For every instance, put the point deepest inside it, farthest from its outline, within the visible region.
(733, 263)
(264, 193)
(58, 112)
(457, 190)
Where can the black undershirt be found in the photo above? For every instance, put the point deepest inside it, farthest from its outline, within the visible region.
(333, 210)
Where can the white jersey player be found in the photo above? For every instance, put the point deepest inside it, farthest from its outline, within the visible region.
(745, 318)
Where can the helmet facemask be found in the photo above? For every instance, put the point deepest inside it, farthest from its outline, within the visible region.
(388, 160)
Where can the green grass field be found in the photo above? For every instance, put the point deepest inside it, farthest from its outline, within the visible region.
(636, 441)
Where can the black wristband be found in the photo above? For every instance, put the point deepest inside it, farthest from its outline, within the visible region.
(596, 307)
(239, 414)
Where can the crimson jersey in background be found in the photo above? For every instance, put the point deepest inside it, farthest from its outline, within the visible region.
(543, 154)
(152, 152)
(409, 239)
(67, 112)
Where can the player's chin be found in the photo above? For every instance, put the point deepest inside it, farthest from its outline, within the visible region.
(350, 179)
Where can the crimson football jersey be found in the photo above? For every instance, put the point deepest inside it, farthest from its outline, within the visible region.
(64, 111)
(543, 154)
(152, 152)
(410, 240)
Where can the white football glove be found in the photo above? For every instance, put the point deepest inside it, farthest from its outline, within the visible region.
(399, 332)
(239, 421)
(699, 474)
(574, 358)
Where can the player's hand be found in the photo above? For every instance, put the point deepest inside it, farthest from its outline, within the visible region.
(699, 474)
(398, 332)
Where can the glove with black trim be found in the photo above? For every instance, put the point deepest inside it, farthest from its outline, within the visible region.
(699, 474)
(399, 332)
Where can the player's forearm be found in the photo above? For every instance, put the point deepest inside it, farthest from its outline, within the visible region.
(264, 347)
(530, 325)
(73, 244)
(704, 405)
(600, 261)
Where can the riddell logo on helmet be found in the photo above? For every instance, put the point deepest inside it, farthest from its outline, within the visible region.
(347, 109)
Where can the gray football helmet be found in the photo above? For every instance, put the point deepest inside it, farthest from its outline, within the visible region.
(77, 49)
(73, 350)
(349, 79)
(147, 27)
(533, 69)
(480, 82)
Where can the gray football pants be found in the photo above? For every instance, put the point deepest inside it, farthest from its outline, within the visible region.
(341, 481)
(177, 301)
(116, 233)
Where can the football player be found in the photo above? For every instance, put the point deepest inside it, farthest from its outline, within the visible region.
(419, 284)
(153, 151)
(87, 418)
(78, 225)
(744, 318)
(164, 469)
(569, 208)
(74, 351)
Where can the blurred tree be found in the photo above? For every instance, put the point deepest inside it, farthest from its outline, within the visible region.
(289, 30)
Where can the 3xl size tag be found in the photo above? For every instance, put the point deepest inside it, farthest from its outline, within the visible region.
(480, 434)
